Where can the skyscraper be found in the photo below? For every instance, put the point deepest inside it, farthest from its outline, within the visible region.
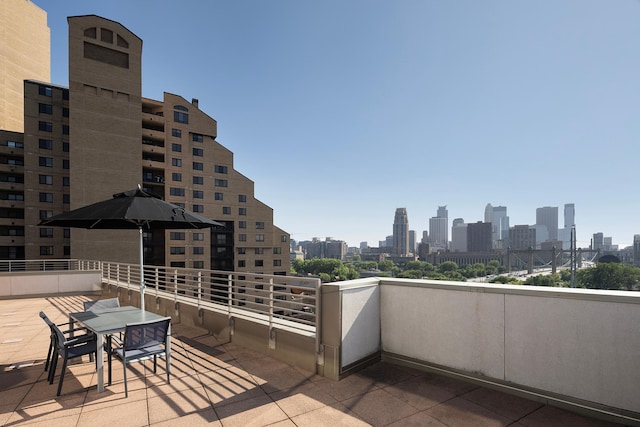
(439, 229)
(497, 216)
(569, 215)
(401, 232)
(479, 237)
(548, 216)
(458, 236)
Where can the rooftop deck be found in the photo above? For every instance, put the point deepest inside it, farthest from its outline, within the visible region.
(220, 383)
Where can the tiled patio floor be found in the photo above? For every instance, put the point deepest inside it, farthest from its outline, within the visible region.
(220, 383)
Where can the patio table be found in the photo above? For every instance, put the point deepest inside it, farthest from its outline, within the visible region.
(112, 320)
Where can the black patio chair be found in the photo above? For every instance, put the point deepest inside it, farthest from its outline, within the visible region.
(142, 341)
(68, 348)
(85, 335)
(101, 304)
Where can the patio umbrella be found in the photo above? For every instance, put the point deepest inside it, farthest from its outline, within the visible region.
(134, 209)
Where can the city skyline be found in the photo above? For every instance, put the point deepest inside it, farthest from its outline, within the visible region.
(407, 104)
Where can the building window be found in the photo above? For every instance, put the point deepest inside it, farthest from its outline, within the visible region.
(65, 94)
(65, 147)
(174, 191)
(259, 237)
(242, 237)
(219, 196)
(106, 35)
(44, 90)
(283, 238)
(198, 208)
(65, 129)
(176, 132)
(45, 126)
(198, 237)
(242, 198)
(180, 117)
(259, 251)
(242, 224)
(46, 250)
(241, 263)
(66, 182)
(45, 214)
(259, 225)
(46, 197)
(198, 194)
(197, 166)
(65, 164)
(15, 144)
(176, 250)
(198, 250)
(198, 180)
(242, 251)
(67, 250)
(66, 233)
(176, 162)
(242, 211)
(198, 152)
(259, 263)
(220, 183)
(176, 235)
(65, 112)
(66, 199)
(220, 169)
(196, 137)
(45, 179)
(176, 147)
(45, 108)
(176, 176)
(226, 210)
(46, 232)
(45, 144)
(198, 264)
(179, 264)
(277, 251)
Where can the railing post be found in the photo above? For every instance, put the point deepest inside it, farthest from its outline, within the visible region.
(229, 292)
(199, 288)
(175, 285)
(157, 280)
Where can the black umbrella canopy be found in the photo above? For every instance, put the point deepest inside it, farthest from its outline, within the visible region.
(131, 210)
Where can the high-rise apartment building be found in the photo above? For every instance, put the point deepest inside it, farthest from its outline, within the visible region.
(100, 137)
(548, 216)
(401, 232)
(522, 237)
(24, 54)
(458, 236)
(569, 215)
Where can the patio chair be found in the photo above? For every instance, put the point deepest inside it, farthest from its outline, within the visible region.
(86, 336)
(142, 341)
(68, 348)
(101, 304)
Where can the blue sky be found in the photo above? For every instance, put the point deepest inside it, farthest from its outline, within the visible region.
(342, 111)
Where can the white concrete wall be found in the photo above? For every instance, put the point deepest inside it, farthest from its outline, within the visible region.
(17, 284)
(578, 343)
(360, 320)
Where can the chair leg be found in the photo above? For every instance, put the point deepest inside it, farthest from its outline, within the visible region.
(64, 368)
(46, 364)
(54, 365)
(155, 363)
(124, 366)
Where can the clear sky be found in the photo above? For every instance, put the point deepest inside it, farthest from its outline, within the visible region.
(341, 111)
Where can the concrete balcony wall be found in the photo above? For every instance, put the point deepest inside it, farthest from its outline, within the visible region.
(572, 344)
(49, 283)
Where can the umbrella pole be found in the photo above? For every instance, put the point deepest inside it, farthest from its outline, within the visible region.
(141, 270)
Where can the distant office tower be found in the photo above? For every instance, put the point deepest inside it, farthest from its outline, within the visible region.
(425, 236)
(636, 249)
(458, 236)
(548, 216)
(412, 241)
(363, 245)
(598, 241)
(24, 55)
(569, 215)
(522, 237)
(499, 220)
(401, 232)
(438, 232)
(479, 237)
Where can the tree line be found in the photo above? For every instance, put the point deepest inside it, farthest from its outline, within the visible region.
(613, 276)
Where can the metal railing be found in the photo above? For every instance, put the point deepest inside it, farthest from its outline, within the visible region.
(47, 265)
(286, 302)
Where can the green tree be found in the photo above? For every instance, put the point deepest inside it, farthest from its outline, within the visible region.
(447, 266)
(610, 276)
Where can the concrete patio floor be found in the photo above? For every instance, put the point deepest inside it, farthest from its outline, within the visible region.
(217, 382)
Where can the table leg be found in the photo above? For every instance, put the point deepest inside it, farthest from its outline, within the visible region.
(168, 351)
(100, 361)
